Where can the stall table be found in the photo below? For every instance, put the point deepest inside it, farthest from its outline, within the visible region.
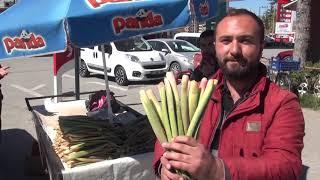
(134, 167)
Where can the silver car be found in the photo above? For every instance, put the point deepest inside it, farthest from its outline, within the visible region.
(178, 53)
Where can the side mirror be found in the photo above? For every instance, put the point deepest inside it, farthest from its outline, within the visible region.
(166, 51)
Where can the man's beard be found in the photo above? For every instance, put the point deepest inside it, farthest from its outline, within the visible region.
(242, 71)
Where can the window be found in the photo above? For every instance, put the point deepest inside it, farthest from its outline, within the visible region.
(160, 46)
(107, 48)
(193, 40)
(182, 46)
(133, 44)
(152, 43)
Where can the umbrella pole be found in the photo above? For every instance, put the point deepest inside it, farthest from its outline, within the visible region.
(76, 73)
(110, 114)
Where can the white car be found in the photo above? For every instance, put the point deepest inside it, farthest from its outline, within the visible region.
(127, 60)
(193, 38)
(178, 53)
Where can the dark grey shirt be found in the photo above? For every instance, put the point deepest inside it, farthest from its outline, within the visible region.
(227, 107)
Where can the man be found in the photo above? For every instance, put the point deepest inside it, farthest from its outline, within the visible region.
(208, 64)
(3, 72)
(251, 128)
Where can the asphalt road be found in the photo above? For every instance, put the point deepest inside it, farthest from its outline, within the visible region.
(33, 77)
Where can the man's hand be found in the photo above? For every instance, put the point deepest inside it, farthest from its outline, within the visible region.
(187, 154)
(166, 171)
(4, 71)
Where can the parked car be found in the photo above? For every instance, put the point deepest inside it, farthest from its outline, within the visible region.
(178, 53)
(269, 41)
(127, 60)
(193, 38)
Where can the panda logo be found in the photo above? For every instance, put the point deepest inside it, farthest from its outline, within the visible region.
(25, 35)
(141, 14)
(204, 8)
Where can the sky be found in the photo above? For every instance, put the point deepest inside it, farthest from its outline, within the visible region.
(252, 5)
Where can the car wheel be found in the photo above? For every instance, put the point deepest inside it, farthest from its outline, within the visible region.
(120, 76)
(175, 67)
(83, 70)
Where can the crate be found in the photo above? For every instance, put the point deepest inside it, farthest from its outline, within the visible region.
(281, 65)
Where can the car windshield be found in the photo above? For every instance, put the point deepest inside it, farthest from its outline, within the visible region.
(182, 46)
(133, 44)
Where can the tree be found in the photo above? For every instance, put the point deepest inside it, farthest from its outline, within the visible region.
(268, 17)
(307, 42)
(302, 47)
(315, 29)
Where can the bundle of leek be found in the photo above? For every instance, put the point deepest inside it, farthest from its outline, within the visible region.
(177, 114)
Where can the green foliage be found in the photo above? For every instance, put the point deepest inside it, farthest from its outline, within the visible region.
(309, 76)
(268, 17)
(298, 77)
(310, 101)
(310, 64)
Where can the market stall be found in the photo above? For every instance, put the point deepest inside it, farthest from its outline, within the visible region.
(128, 162)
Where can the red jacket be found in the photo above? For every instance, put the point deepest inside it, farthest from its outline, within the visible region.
(262, 138)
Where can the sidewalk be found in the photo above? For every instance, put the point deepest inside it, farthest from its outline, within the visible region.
(311, 150)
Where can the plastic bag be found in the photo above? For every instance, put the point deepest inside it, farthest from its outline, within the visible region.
(97, 104)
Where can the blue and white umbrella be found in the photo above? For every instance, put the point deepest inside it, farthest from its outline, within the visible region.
(33, 27)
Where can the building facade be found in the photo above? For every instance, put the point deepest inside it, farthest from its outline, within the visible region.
(5, 4)
(285, 21)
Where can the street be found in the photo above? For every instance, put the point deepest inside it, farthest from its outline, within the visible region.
(32, 77)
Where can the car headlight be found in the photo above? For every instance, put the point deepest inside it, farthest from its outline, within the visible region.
(162, 57)
(133, 58)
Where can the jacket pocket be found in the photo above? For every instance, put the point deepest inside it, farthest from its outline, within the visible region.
(248, 143)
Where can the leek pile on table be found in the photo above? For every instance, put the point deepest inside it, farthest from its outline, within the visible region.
(81, 140)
